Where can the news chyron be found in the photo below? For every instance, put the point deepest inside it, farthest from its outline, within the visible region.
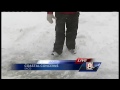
(80, 64)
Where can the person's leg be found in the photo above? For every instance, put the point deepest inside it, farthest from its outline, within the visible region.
(71, 33)
(60, 32)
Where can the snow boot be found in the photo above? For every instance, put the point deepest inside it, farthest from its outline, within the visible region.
(73, 51)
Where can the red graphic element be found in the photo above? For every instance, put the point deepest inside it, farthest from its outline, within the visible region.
(82, 60)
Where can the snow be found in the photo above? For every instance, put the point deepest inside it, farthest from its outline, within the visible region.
(27, 37)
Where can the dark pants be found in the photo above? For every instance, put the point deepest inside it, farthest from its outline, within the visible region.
(71, 23)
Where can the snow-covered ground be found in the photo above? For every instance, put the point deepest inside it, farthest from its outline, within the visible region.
(28, 37)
